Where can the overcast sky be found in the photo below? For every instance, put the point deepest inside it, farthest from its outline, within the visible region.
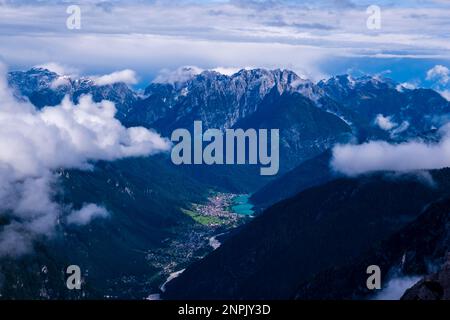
(314, 38)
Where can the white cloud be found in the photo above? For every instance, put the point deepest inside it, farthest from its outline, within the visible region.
(227, 70)
(60, 81)
(180, 75)
(35, 143)
(384, 123)
(445, 94)
(149, 53)
(373, 156)
(126, 76)
(439, 73)
(64, 73)
(59, 69)
(396, 287)
(401, 128)
(406, 85)
(86, 214)
(155, 34)
(185, 73)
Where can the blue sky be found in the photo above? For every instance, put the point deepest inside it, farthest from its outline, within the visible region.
(314, 38)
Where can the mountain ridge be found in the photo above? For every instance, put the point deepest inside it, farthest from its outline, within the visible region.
(321, 227)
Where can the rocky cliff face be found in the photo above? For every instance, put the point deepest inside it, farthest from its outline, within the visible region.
(46, 88)
(360, 100)
(417, 249)
(218, 100)
(432, 287)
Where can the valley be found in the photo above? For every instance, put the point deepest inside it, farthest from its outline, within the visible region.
(221, 213)
(319, 229)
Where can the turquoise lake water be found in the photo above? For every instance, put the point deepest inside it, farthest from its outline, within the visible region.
(242, 206)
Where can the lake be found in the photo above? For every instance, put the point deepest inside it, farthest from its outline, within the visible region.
(242, 206)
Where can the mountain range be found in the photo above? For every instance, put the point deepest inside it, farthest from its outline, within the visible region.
(312, 117)
(320, 228)
(310, 219)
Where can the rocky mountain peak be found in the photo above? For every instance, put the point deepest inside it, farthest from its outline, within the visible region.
(47, 88)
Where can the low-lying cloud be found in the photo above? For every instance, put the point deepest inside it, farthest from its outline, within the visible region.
(374, 156)
(35, 143)
(59, 69)
(396, 287)
(86, 214)
(445, 94)
(126, 76)
(384, 123)
(180, 75)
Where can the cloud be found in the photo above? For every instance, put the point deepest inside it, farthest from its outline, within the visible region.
(406, 85)
(439, 73)
(60, 81)
(445, 94)
(374, 156)
(269, 34)
(441, 76)
(31, 210)
(185, 73)
(64, 73)
(59, 69)
(399, 129)
(179, 75)
(126, 76)
(150, 53)
(313, 26)
(384, 123)
(86, 214)
(228, 71)
(35, 143)
(396, 287)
